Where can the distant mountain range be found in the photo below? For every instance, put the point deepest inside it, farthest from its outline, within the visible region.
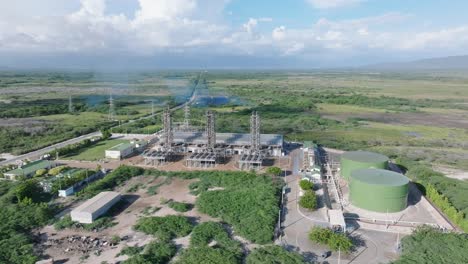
(445, 63)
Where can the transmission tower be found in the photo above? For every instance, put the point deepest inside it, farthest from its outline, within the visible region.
(255, 132)
(210, 130)
(186, 117)
(111, 116)
(70, 104)
(168, 133)
(152, 108)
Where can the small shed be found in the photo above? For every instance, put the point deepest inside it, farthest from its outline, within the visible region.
(95, 207)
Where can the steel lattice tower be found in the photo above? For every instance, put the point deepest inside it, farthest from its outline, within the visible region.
(111, 107)
(210, 130)
(168, 133)
(70, 104)
(255, 132)
(186, 117)
(152, 109)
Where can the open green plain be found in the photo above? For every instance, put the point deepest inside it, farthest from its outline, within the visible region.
(95, 152)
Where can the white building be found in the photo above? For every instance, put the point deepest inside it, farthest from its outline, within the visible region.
(94, 207)
(120, 151)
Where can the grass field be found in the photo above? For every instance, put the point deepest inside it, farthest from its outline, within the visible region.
(95, 152)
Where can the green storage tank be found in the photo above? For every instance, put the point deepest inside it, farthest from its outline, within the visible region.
(354, 160)
(378, 190)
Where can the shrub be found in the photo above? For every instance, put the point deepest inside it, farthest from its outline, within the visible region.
(308, 200)
(156, 252)
(180, 207)
(248, 202)
(168, 226)
(428, 245)
(111, 180)
(41, 172)
(306, 185)
(55, 171)
(275, 171)
(224, 250)
(274, 254)
(335, 241)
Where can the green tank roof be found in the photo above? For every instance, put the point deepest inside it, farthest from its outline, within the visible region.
(364, 156)
(355, 160)
(379, 177)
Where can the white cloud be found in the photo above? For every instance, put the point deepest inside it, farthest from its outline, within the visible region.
(189, 26)
(325, 4)
(279, 33)
(164, 9)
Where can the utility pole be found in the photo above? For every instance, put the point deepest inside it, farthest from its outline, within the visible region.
(70, 104)
(186, 117)
(111, 107)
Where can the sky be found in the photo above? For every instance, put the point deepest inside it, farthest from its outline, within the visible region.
(232, 34)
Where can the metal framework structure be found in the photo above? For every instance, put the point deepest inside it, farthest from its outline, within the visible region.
(253, 160)
(70, 104)
(186, 125)
(157, 157)
(255, 133)
(210, 130)
(210, 156)
(111, 116)
(167, 129)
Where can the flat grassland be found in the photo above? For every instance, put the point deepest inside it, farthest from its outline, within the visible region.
(95, 152)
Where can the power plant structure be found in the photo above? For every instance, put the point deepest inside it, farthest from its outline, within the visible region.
(354, 160)
(207, 149)
(253, 159)
(378, 190)
(166, 151)
(371, 186)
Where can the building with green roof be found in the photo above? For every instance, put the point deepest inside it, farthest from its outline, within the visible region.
(378, 190)
(29, 169)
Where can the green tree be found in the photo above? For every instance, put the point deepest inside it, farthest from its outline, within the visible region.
(273, 254)
(335, 241)
(308, 200)
(275, 171)
(306, 185)
(106, 134)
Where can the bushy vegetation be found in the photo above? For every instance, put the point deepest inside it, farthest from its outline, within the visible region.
(156, 252)
(427, 245)
(273, 254)
(18, 218)
(248, 202)
(180, 207)
(111, 180)
(447, 194)
(169, 226)
(335, 241)
(275, 171)
(97, 225)
(210, 243)
(306, 185)
(308, 200)
(66, 182)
